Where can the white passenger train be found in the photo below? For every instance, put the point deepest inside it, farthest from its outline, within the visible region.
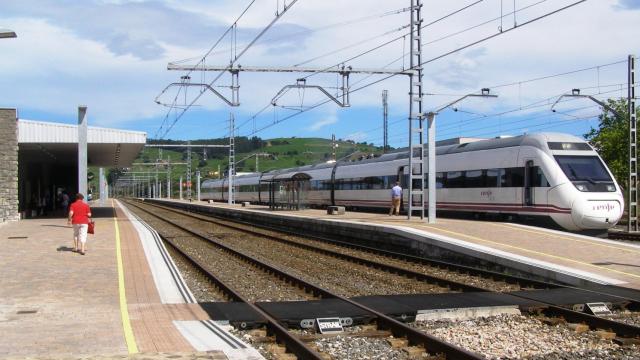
(552, 175)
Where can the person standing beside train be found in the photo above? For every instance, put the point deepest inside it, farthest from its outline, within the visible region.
(79, 214)
(396, 196)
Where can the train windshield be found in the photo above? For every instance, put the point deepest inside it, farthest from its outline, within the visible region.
(583, 168)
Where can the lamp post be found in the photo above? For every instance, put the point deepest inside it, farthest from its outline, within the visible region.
(431, 151)
(7, 34)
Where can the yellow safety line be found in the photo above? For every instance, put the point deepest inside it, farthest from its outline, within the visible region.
(534, 252)
(124, 311)
(568, 238)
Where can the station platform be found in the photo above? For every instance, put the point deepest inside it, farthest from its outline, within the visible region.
(123, 298)
(556, 255)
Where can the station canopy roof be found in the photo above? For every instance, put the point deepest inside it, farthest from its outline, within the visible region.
(57, 142)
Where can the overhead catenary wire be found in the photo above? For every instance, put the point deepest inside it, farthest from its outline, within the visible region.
(310, 31)
(201, 61)
(394, 40)
(382, 45)
(277, 121)
(234, 60)
(362, 54)
(429, 61)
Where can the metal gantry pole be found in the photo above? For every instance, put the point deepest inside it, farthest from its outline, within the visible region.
(416, 116)
(168, 178)
(82, 149)
(198, 185)
(633, 151)
(385, 121)
(232, 157)
(189, 170)
(431, 163)
(180, 188)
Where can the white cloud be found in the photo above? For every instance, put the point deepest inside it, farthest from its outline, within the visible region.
(329, 120)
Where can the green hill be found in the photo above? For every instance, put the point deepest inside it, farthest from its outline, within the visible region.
(277, 153)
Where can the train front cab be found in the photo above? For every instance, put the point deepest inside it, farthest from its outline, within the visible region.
(595, 199)
(581, 193)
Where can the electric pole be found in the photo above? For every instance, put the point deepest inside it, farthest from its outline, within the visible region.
(385, 121)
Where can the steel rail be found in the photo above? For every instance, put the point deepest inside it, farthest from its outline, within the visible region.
(551, 309)
(431, 343)
(292, 342)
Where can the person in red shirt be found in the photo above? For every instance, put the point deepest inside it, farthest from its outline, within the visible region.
(79, 214)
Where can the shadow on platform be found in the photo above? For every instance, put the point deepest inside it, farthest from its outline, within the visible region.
(605, 263)
(64, 248)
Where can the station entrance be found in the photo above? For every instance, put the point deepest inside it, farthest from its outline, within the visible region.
(48, 163)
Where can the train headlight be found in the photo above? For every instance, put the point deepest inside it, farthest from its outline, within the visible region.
(611, 188)
(581, 187)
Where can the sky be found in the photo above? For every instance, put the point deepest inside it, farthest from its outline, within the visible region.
(112, 56)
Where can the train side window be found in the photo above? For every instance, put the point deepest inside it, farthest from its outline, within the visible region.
(347, 184)
(539, 180)
(440, 180)
(377, 182)
(492, 177)
(473, 179)
(513, 177)
(455, 179)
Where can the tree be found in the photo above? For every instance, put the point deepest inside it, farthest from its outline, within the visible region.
(611, 139)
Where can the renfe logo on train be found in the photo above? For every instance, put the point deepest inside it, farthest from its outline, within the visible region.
(605, 207)
(329, 325)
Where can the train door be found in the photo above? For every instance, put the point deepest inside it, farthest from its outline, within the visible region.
(404, 184)
(528, 195)
(224, 190)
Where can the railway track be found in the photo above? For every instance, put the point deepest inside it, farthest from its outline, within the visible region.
(430, 344)
(498, 281)
(549, 311)
(454, 276)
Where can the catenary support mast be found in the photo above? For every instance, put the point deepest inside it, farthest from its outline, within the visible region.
(633, 151)
(416, 198)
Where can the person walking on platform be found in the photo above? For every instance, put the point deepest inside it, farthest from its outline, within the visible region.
(396, 196)
(79, 214)
(65, 203)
